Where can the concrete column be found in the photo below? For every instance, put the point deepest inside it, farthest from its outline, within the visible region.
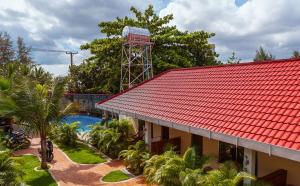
(148, 138)
(249, 163)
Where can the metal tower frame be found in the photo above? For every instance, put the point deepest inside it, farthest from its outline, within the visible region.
(136, 63)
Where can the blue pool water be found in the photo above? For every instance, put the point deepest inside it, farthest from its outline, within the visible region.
(84, 121)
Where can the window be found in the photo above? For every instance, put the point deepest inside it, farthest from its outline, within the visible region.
(230, 152)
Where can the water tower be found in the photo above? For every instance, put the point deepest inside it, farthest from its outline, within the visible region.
(136, 64)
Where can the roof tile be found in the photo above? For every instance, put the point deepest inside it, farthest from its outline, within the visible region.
(259, 101)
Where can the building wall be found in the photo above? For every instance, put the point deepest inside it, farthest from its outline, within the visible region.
(211, 148)
(156, 132)
(267, 165)
(185, 138)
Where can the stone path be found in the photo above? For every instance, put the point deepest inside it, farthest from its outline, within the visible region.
(68, 173)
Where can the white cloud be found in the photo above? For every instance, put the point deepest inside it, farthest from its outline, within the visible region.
(271, 23)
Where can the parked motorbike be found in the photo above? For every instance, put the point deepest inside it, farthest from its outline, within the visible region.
(49, 151)
(17, 140)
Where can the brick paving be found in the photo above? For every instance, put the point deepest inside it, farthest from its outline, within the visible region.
(68, 173)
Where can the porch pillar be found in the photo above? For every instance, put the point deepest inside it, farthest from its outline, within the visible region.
(249, 163)
(148, 138)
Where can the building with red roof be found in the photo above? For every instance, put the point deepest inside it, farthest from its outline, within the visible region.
(248, 112)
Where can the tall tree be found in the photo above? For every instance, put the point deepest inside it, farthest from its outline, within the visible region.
(23, 52)
(32, 105)
(296, 54)
(172, 49)
(7, 53)
(262, 55)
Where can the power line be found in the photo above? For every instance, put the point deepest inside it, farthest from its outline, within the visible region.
(71, 53)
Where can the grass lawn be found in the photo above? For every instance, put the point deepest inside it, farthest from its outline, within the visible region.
(115, 176)
(82, 154)
(32, 177)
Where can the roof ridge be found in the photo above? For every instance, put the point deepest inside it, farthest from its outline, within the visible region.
(239, 64)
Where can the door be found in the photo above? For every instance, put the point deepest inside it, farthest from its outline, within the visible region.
(197, 143)
(164, 133)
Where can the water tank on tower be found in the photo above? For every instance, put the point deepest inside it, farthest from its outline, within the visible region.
(136, 64)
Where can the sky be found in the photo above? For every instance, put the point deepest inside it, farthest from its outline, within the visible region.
(241, 26)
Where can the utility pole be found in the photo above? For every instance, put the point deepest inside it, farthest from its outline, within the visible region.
(71, 55)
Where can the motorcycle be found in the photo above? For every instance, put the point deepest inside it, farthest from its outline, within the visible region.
(17, 140)
(49, 151)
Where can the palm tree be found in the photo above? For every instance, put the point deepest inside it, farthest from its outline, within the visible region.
(33, 105)
(226, 175)
(8, 172)
(135, 157)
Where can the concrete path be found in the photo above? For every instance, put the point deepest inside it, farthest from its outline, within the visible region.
(68, 173)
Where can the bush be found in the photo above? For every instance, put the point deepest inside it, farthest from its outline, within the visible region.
(111, 137)
(66, 134)
(8, 172)
(135, 157)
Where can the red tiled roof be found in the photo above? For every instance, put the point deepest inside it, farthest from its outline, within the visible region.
(258, 101)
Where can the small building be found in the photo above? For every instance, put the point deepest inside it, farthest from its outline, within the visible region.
(247, 112)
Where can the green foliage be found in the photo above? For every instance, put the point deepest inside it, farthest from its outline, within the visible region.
(34, 106)
(66, 134)
(115, 176)
(173, 48)
(112, 137)
(135, 157)
(226, 175)
(262, 55)
(82, 154)
(8, 171)
(296, 54)
(233, 59)
(27, 163)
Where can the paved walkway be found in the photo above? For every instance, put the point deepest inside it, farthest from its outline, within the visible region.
(65, 172)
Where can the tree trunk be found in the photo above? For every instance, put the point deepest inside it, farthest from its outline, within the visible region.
(43, 151)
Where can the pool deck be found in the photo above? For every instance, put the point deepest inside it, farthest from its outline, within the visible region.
(68, 173)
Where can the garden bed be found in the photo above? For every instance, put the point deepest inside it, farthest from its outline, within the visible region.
(82, 154)
(116, 176)
(32, 177)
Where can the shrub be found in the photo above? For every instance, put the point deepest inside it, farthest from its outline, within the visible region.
(8, 172)
(135, 157)
(66, 134)
(112, 137)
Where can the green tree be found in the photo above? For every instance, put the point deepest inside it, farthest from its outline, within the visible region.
(262, 55)
(233, 59)
(296, 54)
(34, 106)
(135, 157)
(7, 53)
(23, 52)
(172, 49)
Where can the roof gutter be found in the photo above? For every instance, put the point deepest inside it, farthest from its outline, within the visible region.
(247, 143)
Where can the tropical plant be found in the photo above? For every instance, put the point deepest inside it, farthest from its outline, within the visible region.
(33, 105)
(173, 49)
(8, 173)
(111, 137)
(135, 157)
(262, 55)
(66, 134)
(226, 175)
(171, 169)
(109, 142)
(296, 54)
(233, 59)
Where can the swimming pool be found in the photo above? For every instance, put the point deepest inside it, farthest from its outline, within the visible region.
(84, 121)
